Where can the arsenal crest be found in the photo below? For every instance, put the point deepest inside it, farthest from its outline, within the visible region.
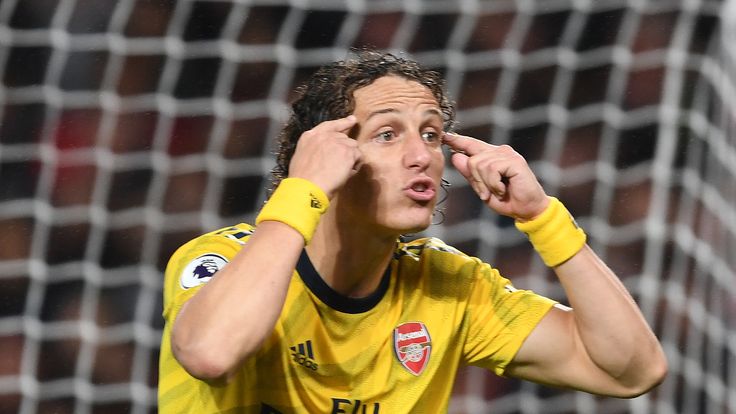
(413, 346)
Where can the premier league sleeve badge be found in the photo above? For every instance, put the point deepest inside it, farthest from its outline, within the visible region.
(201, 270)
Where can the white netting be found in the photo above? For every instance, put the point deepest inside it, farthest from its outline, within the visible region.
(128, 127)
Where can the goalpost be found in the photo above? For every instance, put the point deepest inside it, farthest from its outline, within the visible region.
(129, 127)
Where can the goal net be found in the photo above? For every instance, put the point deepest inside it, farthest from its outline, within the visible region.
(129, 127)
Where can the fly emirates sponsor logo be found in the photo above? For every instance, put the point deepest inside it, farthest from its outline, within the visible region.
(339, 406)
(342, 405)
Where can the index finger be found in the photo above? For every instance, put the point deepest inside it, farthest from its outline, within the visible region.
(340, 124)
(467, 145)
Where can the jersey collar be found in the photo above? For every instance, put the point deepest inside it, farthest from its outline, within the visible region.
(333, 299)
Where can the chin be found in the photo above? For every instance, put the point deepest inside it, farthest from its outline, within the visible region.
(405, 219)
(412, 226)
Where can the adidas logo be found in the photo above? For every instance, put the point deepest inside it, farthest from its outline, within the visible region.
(303, 355)
(315, 202)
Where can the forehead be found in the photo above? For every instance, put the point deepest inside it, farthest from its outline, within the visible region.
(392, 91)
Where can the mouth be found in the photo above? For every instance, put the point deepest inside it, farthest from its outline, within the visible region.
(421, 189)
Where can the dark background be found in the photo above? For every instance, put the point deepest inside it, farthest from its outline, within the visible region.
(130, 127)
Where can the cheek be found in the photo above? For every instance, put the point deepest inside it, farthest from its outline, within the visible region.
(375, 185)
(438, 164)
(364, 185)
(376, 164)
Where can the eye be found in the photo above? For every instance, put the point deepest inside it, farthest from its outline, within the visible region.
(430, 136)
(385, 136)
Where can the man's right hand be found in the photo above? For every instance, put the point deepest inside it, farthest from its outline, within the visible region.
(326, 155)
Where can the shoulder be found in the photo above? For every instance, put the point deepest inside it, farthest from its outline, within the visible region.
(238, 233)
(427, 245)
(197, 260)
(225, 240)
(437, 258)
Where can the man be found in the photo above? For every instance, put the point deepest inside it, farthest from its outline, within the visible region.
(320, 308)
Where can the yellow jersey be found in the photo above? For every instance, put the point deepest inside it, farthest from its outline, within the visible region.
(395, 351)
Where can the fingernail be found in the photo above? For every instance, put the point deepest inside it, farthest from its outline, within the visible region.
(482, 194)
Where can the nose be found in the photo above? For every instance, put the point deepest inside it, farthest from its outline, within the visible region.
(417, 154)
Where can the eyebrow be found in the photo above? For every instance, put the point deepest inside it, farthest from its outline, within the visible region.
(431, 111)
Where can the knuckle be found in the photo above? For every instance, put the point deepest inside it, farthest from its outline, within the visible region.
(309, 134)
(509, 151)
(484, 164)
(473, 161)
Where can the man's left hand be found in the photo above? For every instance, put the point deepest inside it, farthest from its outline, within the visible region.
(499, 175)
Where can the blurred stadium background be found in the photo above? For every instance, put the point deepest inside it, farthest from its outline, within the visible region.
(128, 127)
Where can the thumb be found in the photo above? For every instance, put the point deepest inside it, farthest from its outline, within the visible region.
(460, 162)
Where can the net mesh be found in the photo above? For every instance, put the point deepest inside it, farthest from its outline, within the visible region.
(129, 127)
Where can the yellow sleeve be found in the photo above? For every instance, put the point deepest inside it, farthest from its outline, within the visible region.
(189, 268)
(194, 263)
(499, 319)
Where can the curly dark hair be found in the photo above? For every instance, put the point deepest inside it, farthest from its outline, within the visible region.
(328, 94)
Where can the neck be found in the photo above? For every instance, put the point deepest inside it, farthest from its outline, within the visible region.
(349, 257)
